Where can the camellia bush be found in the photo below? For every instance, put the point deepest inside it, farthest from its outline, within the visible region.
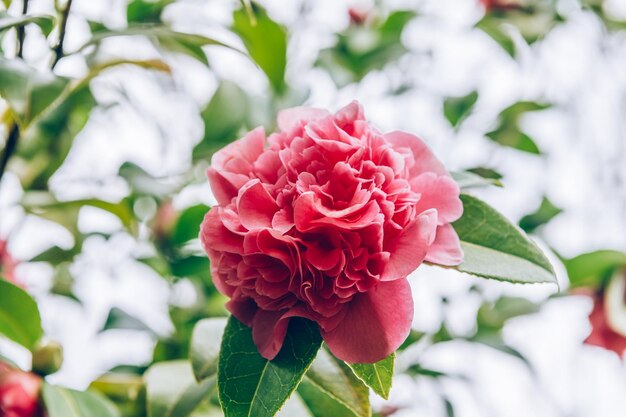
(303, 226)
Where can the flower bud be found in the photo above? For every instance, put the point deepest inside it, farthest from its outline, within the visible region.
(47, 358)
(19, 393)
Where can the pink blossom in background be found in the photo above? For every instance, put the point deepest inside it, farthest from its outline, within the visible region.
(7, 263)
(19, 393)
(324, 220)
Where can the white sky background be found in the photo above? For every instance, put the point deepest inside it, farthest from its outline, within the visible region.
(578, 67)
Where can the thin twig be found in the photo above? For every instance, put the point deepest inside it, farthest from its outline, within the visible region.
(10, 147)
(58, 49)
(21, 32)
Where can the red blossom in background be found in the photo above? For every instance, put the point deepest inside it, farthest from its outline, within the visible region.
(501, 5)
(326, 221)
(7, 263)
(19, 393)
(602, 334)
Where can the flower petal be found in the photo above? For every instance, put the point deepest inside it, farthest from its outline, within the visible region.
(424, 159)
(410, 248)
(255, 205)
(290, 118)
(440, 192)
(216, 237)
(446, 249)
(375, 325)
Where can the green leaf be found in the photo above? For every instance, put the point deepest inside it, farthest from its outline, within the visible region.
(494, 248)
(28, 91)
(19, 316)
(146, 11)
(494, 29)
(361, 49)
(172, 391)
(142, 183)
(190, 266)
(63, 402)
(330, 388)
(595, 268)
(486, 173)
(467, 179)
(188, 224)
(205, 347)
(250, 385)
(378, 376)
(125, 390)
(163, 36)
(457, 108)
(45, 22)
(120, 319)
(508, 133)
(542, 215)
(513, 138)
(57, 126)
(44, 205)
(266, 42)
(223, 117)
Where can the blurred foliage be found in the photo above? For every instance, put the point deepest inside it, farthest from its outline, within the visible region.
(542, 215)
(508, 130)
(47, 111)
(364, 47)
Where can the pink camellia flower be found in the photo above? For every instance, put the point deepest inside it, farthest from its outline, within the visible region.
(7, 263)
(325, 220)
(19, 393)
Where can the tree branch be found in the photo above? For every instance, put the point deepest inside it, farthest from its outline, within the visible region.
(21, 32)
(11, 145)
(58, 49)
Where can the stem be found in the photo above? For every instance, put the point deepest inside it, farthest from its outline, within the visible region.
(21, 32)
(58, 49)
(10, 147)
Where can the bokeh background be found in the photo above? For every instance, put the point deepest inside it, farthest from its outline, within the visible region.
(122, 283)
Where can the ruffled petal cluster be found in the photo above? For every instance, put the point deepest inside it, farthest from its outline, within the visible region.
(325, 219)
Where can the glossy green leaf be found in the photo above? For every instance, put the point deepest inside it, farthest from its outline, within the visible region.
(223, 117)
(494, 248)
(595, 268)
(457, 108)
(250, 385)
(172, 390)
(19, 316)
(63, 402)
(45, 22)
(378, 376)
(330, 387)
(542, 215)
(266, 42)
(205, 347)
(187, 226)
